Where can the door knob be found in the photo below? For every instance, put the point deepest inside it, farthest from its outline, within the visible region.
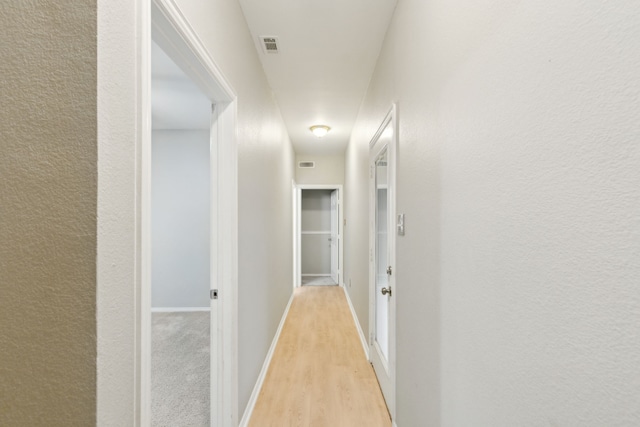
(386, 291)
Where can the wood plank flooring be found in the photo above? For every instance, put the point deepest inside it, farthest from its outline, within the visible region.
(319, 376)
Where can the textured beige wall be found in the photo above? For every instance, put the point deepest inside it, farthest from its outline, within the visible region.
(47, 213)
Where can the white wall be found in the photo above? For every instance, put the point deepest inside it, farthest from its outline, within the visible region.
(180, 218)
(265, 173)
(519, 174)
(328, 170)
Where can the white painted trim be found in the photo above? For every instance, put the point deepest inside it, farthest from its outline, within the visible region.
(393, 424)
(228, 271)
(363, 339)
(172, 31)
(297, 263)
(216, 305)
(319, 186)
(390, 366)
(143, 208)
(294, 194)
(315, 232)
(316, 275)
(246, 417)
(178, 309)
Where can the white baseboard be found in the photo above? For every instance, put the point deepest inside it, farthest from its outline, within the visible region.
(394, 424)
(178, 309)
(244, 422)
(363, 340)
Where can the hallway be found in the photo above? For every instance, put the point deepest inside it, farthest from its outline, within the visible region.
(319, 375)
(517, 208)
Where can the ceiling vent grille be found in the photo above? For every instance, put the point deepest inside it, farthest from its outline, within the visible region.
(269, 44)
(306, 164)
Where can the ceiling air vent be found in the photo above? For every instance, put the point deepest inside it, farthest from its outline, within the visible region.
(269, 44)
(306, 164)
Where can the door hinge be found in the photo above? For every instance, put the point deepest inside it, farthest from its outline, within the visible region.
(213, 293)
(389, 270)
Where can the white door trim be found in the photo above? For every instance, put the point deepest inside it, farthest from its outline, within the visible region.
(391, 118)
(297, 260)
(334, 234)
(295, 193)
(172, 32)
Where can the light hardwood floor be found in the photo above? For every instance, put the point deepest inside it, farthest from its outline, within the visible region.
(319, 376)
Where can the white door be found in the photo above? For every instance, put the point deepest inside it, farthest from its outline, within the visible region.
(382, 257)
(334, 238)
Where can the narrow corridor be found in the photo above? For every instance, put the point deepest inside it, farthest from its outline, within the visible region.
(319, 375)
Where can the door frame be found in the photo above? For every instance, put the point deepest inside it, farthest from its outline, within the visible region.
(168, 27)
(392, 148)
(334, 223)
(297, 202)
(295, 193)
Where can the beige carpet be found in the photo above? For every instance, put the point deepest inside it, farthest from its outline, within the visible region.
(180, 369)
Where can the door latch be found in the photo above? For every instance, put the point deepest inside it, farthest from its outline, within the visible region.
(213, 293)
(389, 270)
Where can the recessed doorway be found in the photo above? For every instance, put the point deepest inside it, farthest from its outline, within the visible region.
(180, 246)
(318, 253)
(188, 223)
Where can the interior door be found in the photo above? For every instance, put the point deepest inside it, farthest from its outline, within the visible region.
(382, 247)
(334, 239)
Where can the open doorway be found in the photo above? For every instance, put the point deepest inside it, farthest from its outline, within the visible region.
(180, 246)
(319, 236)
(188, 229)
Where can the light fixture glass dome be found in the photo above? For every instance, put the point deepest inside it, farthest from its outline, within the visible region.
(320, 130)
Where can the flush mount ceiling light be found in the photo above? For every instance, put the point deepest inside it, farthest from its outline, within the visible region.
(320, 130)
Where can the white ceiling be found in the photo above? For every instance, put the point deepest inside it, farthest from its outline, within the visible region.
(176, 102)
(328, 50)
